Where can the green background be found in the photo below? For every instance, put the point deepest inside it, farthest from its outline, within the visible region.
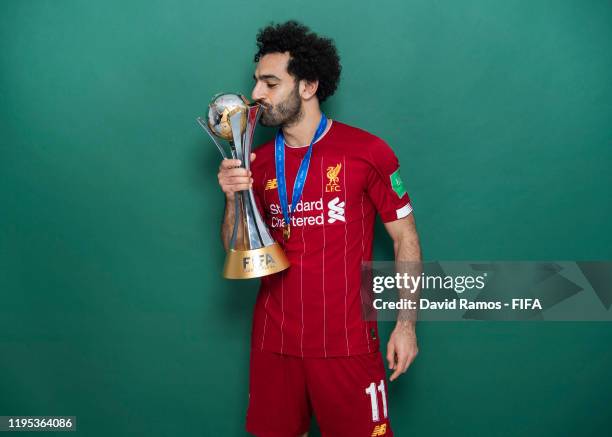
(112, 305)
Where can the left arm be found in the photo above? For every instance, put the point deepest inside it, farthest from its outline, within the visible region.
(402, 346)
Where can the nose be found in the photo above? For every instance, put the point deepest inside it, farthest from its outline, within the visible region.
(257, 93)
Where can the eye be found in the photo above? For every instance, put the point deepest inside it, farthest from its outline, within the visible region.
(272, 85)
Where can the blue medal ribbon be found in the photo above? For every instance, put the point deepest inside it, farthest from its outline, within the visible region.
(300, 179)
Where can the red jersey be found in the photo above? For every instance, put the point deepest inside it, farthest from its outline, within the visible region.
(313, 308)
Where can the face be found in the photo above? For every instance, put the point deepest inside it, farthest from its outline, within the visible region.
(277, 91)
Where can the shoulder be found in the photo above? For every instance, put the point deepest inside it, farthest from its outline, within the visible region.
(363, 142)
(355, 133)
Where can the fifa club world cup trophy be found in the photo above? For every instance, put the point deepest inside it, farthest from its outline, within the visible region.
(252, 250)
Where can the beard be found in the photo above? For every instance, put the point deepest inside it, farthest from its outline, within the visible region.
(287, 112)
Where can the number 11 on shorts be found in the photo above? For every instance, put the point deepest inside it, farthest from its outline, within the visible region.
(371, 390)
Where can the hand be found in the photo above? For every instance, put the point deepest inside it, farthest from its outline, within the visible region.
(234, 178)
(402, 348)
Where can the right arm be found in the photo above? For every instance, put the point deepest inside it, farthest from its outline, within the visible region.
(232, 179)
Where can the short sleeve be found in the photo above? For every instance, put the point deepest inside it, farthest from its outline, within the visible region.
(385, 185)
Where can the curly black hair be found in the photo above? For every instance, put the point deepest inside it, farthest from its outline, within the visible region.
(311, 57)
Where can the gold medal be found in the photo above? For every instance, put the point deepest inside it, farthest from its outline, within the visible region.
(286, 232)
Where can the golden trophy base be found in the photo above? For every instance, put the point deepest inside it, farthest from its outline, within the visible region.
(245, 264)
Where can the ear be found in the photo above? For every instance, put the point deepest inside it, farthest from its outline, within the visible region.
(308, 89)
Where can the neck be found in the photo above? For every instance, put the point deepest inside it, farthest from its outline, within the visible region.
(300, 133)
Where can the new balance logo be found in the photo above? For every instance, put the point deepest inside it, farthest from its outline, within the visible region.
(379, 430)
(271, 184)
(336, 210)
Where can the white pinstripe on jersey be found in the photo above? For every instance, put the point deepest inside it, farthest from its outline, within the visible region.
(348, 350)
(302, 286)
(323, 275)
(269, 290)
(282, 308)
(365, 325)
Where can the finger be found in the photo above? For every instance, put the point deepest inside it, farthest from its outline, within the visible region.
(253, 156)
(408, 363)
(232, 172)
(411, 358)
(236, 187)
(402, 362)
(229, 163)
(395, 374)
(238, 180)
(391, 355)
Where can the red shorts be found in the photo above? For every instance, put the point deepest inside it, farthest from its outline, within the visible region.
(348, 395)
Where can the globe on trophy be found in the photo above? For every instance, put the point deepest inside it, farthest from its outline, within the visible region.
(252, 250)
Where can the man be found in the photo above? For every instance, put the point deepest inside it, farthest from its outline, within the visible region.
(311, 350)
